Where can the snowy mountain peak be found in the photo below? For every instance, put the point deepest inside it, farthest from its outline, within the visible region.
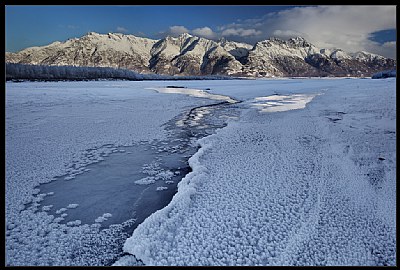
(274, 39)
(185, 35)
(180, 38)
(222, 40)
(191, 55)
(292, 42)
(115, 35)
(92, 34)
(339, 54)
(299, 41)
(366, 56)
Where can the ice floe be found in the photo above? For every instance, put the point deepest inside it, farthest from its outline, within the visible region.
(195, 93)
(281, 103)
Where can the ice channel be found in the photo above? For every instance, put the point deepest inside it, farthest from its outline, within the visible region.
(120, 184)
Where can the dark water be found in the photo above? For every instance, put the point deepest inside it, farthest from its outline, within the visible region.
(109, 187)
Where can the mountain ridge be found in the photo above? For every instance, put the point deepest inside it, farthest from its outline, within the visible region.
(192, 55)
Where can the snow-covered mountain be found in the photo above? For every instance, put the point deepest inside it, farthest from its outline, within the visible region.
(297, 57)
(95, 50)
(191, 55)
(276, 57)
(239, 50)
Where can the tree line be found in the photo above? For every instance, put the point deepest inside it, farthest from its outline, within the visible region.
(17, 72)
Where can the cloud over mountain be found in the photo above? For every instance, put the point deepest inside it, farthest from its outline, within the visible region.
(205, 32)
(346, 27)
(350, 28)
(122, 29)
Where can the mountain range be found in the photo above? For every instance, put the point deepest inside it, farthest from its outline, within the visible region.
(192, 55)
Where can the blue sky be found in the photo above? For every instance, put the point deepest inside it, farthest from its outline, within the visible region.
(352, 28)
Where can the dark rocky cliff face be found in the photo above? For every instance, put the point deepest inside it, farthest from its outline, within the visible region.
(190, 55)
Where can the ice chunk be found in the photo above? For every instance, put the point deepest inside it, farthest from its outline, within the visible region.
(72, 205)
(70, 177)
(165, 175)
(194, 93)
(100, 219)
(103, 218)
(277, 103)
(59, 211)
(74, 223)
(47, 207)
(146, 180)
(107, 215)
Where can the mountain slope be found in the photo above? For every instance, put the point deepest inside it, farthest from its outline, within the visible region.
(191, 55)
(112, 50)
(297, 57)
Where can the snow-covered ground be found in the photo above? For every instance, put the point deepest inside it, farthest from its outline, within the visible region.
(305, 175)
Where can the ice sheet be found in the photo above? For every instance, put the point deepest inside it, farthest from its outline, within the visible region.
(55, 129)
(314, 186)
(311, 186)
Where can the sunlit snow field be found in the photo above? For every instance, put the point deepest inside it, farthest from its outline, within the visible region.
(277, 172)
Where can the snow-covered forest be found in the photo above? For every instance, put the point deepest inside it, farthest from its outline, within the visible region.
(384, 74)
(79, 73)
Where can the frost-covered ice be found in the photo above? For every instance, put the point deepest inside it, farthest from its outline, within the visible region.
(74, 223)
(59, 211)
(72, 205)
(103, 218)
(56, 129)
(195, 93)
(155, 173)
(146, 180)
(278, 103)
(297, 187)
(311, 186)
(47, 207)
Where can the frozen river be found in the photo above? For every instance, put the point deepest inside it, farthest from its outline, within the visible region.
(298, 172)
(143, 176)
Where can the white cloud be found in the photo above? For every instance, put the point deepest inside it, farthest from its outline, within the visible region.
(177, 30)
(122, 29)
(387, 49)
(206, 32)
(390, 44)
(345, 27)
(240, 32)
(286, 34)
(173, 31)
